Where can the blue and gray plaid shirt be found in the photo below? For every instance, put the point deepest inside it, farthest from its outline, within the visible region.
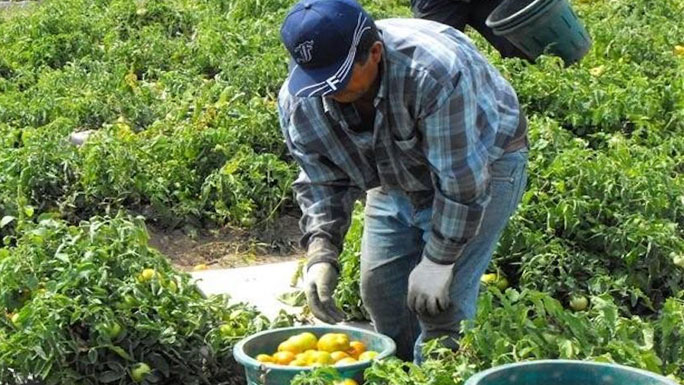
(443, 114)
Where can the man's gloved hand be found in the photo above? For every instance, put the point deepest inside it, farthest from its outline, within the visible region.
(320, 282)
(428, 290)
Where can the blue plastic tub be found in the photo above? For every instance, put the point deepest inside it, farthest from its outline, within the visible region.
(566, 372)
(541, 26)
(267, 342)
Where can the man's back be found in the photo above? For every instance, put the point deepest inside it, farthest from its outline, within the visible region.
(424, 65)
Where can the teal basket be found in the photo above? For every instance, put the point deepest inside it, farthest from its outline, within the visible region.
(541, 26)
(267, 342)
(566, 372)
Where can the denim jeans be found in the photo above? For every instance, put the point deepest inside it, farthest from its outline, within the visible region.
(394, 235)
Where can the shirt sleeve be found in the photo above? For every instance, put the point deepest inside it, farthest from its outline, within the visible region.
(459, 162)
(325, 194)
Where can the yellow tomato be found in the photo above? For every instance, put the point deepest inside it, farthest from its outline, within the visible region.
(346, 361)
(299, 343)
(489, 278)
(283, 358)
(356, 348)
(679, 50)
(308, 356)
(367, 356)
(333, 342)
(147, 274)
(288, 346)
(322, 358)
(338, 355)
(346, 381)
(298, 362)
(264, 358)
(306, 341)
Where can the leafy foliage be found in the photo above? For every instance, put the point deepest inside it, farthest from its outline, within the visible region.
(87, 303)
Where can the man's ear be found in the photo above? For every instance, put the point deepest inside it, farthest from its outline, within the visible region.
(376, 51)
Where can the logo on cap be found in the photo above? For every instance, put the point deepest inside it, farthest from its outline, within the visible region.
(303, 52)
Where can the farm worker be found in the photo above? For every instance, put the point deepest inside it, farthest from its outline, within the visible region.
(459, 13)
(410, 112)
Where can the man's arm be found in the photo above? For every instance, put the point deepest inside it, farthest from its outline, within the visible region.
(326, 196)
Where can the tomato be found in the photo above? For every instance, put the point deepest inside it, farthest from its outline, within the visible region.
(368, 355)
(338, 355)
(346, 381)
(679, 50)
(200, 267)
(147, 274)
(264, 358)
(331, 342)
(579, 303)
(356, 348)
(140, 371)
(678, 260)
(502, 283)
(488, 278)
(113, 330)
(226, 330)
(283, 358)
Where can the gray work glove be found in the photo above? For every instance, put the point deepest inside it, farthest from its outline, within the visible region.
(320, 282)
(428, 289)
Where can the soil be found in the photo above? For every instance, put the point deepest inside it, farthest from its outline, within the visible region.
(229, 247)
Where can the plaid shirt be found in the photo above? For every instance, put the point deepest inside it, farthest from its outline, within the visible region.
(443, 114)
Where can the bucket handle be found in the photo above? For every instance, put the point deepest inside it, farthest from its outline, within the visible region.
(263, 374)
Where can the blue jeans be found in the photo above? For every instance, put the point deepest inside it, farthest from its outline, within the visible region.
(394, 236)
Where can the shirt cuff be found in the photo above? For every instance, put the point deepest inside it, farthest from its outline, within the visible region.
(441, 251)
(322, 250)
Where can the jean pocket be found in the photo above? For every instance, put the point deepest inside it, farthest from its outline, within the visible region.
(502, 172)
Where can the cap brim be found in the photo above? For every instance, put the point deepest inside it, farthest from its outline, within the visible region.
(316, 82)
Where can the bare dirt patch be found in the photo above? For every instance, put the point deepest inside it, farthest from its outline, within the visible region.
(229, 247)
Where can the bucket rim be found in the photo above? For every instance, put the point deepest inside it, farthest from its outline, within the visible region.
(535, 8)
(482, 375)
(247, 361)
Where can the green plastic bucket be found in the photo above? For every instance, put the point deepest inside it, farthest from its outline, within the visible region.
(541, 26)
(566, 372)
(267, 342)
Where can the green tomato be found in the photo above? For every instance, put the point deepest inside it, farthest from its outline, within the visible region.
(226, 330)
(140, 371)
(114, 330)
(502, 283)
(579, 303)
(678, 260)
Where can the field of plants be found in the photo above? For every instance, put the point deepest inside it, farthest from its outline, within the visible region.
(181, 94)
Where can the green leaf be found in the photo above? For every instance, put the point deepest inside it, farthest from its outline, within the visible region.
(40, 352)
(294, 298)
(29, 211)
(6, 220)
(92, 355)
(110, 376)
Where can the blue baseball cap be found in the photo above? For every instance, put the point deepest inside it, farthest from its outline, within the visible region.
(322, 36)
